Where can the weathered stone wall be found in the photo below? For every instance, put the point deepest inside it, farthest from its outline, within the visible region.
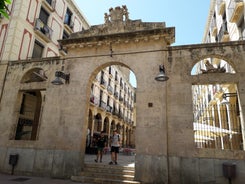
(164, 133)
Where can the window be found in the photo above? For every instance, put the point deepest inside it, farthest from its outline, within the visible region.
(37, 50)
(49, 2)
(68, 16)
(43, 16)
(241, 28)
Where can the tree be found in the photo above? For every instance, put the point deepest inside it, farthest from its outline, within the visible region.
(3, 7)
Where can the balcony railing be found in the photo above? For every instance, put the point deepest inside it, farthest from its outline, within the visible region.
(235, 10)
(103, 83)
(116, 94)
(94, 100)
(44, 29)
(223, 33)
(214, 26)
(109, 109)
(110, 89)
(49, 4)
(69, 26)
(103, 105)
(221, 6)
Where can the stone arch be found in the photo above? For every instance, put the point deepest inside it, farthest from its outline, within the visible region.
(225, 57)
(29, 102)
(106, 125)
(98, 122)
(28, 116)
(34, 75)
(222, 67)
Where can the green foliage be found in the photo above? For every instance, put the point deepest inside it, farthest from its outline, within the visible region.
(3, 7)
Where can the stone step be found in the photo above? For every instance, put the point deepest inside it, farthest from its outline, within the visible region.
(90, 180)
(109, 169)
(107, 174)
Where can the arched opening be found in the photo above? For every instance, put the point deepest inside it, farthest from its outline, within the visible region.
(212, 65)
(216, 108)
(112, 101)
(28, 117)
(29, 103)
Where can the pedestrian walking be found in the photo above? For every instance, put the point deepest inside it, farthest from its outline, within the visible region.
(101, 142)
(115, 145)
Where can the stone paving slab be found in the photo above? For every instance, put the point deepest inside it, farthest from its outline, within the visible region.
(123, 160)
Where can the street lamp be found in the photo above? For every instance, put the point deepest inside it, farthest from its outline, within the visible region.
(225, 95)
(59, 75)
(161, 77)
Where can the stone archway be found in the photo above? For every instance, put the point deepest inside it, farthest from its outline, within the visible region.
(164, 110)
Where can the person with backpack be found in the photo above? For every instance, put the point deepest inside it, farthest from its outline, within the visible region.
(115, 145)
(101, 142)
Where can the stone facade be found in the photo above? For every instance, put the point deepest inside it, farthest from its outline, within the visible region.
(165, 150)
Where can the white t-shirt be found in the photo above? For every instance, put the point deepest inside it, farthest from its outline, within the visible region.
(115, 140)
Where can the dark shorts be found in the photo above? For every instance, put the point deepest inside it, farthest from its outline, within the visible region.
(100, 148)
(115, 149)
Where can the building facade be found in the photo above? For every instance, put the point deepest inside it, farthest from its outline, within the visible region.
(34, 28)
(165, 141)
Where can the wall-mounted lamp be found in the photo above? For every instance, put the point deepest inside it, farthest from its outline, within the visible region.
(161, 76)
(60, 74)
(225, 95)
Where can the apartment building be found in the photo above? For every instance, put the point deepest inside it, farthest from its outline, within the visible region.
(34, 27)
(217, 106)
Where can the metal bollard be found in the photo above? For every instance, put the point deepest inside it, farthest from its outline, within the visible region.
(13, 160)
(229, 171)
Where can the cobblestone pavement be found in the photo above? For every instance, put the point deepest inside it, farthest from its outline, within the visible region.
(123, 160)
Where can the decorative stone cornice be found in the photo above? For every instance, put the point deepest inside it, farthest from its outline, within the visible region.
(118, 26)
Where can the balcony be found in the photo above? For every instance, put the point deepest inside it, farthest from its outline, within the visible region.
(69, 26)
(121, 99)
(103, 83)
(103, 105)
(235, 10)
(116, 94)
(49, 5)
(223, 33)
(115, 112)
(214, 26)
(44, 31)
(94, 100)
(109, 109)
(116, 80)
(221, 7)
(110, 90)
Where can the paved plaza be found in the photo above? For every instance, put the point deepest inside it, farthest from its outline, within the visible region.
(123, 160)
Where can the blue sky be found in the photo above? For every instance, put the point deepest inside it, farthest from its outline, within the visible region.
(188, 17)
